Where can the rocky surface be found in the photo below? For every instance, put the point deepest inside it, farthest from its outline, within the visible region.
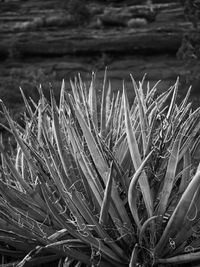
(41, 42)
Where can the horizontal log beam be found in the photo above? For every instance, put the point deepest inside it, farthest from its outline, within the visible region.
(43, 31)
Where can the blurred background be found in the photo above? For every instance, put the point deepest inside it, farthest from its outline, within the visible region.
(47, 41)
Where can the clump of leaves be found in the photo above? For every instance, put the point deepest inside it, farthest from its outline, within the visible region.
(102, 184)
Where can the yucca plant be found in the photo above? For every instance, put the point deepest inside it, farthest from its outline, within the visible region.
(94, 182)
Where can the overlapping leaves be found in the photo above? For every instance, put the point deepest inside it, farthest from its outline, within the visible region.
(96, 182)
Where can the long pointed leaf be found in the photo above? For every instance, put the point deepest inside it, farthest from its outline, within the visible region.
(136, 158)
(139, 174)
(107, 199)
(179, 213)
(92, 101)
(170, 174)
(103, 106)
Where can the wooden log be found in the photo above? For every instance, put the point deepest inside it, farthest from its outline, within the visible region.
(42, 31)
(160, 39)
